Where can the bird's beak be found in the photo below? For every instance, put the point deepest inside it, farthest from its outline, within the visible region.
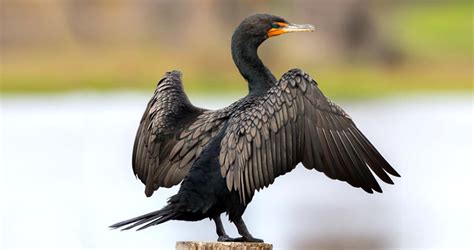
(287, 28)
(298, 28)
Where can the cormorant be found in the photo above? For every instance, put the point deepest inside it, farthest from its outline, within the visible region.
(222, 157)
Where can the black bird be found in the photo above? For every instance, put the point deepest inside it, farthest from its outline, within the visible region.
(222, 157)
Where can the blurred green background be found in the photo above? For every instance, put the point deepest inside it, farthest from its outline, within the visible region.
(361, 48)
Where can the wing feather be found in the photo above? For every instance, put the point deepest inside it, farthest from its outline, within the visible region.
(294, 122)
(171, 135)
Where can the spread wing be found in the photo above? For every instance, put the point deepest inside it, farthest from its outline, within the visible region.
(171, 135)
(294, 122)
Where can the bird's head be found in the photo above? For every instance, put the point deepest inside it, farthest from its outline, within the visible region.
(259, 27)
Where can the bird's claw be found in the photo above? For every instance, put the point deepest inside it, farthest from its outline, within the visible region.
(247, 239)
(225, 238)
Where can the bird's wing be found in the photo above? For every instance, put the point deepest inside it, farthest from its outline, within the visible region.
(171, 135)
(294, 122)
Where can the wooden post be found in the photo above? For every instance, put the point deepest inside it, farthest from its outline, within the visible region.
(200, 245)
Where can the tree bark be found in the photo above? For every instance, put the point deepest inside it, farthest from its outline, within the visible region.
(200, 245)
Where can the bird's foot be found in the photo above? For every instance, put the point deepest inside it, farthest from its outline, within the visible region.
(225, 238)
(247, 239)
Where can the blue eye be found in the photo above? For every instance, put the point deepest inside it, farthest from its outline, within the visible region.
(275, 25)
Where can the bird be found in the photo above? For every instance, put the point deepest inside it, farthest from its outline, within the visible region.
(222, 157)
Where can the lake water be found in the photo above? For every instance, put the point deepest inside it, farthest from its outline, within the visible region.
(65, 176)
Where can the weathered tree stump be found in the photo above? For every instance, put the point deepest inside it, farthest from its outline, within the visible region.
(200, 245)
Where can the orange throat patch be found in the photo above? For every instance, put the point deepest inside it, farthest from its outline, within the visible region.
(278, 31)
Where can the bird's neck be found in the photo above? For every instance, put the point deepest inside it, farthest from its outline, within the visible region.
(259, 77)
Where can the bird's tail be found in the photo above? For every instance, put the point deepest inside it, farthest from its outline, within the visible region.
(151, 219)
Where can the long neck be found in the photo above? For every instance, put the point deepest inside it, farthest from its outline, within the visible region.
(259, 77)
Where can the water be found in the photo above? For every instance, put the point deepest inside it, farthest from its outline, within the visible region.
(65, 176)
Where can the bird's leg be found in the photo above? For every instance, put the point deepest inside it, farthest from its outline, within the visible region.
(220, 230)
(242, 229)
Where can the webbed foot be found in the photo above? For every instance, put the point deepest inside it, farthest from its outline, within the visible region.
(247, 239)
(225, 238)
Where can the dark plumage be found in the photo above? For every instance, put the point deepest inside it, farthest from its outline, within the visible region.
(222, 157)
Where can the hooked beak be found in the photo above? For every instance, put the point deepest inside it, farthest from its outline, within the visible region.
(287, 28)
(298, 28)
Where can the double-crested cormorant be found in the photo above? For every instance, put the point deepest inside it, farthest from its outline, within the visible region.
(222, 157)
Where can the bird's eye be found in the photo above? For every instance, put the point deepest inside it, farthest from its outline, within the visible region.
(275, 25)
